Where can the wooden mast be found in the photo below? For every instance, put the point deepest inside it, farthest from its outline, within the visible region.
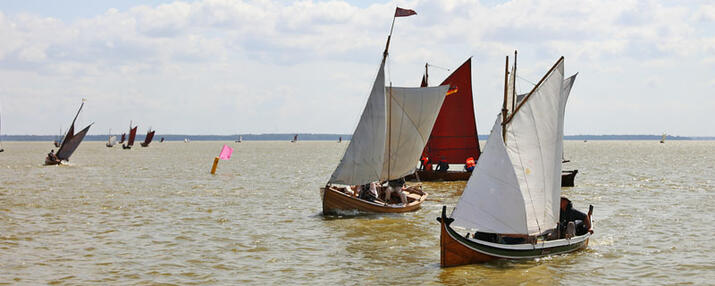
(389, 101)
(503, 109)
(426, 75)
(513, 87)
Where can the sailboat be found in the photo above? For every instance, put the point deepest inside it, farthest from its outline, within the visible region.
(162, 140)
(454, 137)
(340, 139)
(513, 199)
(69, 143)
(112, 140)
(662, 139)
(132, 135)
(295, 139)
(58, 140)
(148, 138)
(124, 137)
(239, 140)
(392, 131)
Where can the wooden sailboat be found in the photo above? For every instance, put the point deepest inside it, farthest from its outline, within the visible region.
(162, 140)
(390, 134)
(295, 139)
(148, 138)
(69, 143)
(454, 137)
(513, 199)
(112, 140)
(132, 135)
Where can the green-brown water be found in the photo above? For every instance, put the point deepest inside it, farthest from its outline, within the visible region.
(155, 215)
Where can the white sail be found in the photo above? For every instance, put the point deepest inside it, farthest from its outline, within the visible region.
(413, 112)
(511, 92)
(534, 144)
(112, 140)
(364, 157)
(492, 200)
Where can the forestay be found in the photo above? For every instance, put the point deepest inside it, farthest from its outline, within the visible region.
(413, 112)
(533, 147)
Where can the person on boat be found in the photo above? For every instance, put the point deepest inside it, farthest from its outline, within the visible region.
(470, 164)
(52, 156)
(442, 165)
(396, 185)
(368, 192)
(569, 214)
(425, 164)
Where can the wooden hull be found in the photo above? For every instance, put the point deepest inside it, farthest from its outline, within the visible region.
(335, 202)
(433, 176)
(567, 178)
(144, 144)
(457, 250)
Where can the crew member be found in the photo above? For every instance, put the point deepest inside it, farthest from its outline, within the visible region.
(425, 164)
(396, 185)
(469, 165)
(442, 165)
(569, 214)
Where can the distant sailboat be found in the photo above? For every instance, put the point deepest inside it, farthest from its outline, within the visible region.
(124, 137)
(662, 139)
(186, 140)
(132, 135)
(240, 139)
(112, 140)
(512, 201)
(69, 144)
(295, 139)
(58, 140)
(340, 139)
(391, 133)
(148, 138)
(162, 140)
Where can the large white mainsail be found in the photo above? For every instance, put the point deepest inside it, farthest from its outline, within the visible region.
(412, 114)
(533, 146)
(362, 161)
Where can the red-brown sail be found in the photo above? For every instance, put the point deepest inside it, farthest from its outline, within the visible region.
(132, 135)
(454, 136)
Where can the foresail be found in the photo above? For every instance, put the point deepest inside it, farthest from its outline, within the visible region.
(492, 201)
(70, 145)
(363, 159)
(534, 141)
(413, 112)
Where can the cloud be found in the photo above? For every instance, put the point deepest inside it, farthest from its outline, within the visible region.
(286, 67)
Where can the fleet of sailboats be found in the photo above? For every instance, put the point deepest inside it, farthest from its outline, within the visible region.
(69, 143)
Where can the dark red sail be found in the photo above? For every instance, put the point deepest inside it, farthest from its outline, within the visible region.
(132, 135)
(454, 136)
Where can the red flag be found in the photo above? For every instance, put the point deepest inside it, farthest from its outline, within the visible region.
(399, 12)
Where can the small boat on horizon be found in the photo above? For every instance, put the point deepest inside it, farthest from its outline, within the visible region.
(662, 138)
(239, 140)
(512, 202)
(148, 138)
(295, 139)
(69, 143)
(112, 140)
(132, 136)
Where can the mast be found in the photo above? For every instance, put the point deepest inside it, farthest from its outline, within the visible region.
(533, 89)
(426, 75)
(503, 109)
(513, 87)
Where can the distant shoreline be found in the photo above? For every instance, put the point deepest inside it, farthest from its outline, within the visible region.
(329, 137)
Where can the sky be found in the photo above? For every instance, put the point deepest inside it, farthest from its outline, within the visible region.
(268, 66)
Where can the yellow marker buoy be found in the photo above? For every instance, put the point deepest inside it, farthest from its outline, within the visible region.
(213, 169)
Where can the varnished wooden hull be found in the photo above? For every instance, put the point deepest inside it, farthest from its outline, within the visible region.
(335, 201)
(457, 250)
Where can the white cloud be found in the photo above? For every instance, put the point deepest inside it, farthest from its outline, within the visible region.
(307, 66)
